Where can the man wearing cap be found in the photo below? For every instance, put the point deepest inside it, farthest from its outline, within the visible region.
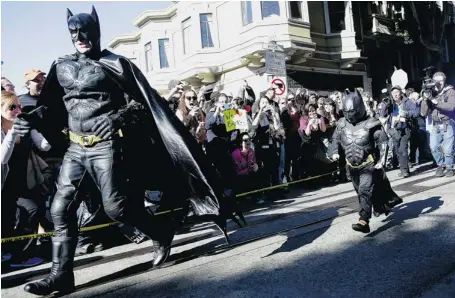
(403, 113)
(34, 81)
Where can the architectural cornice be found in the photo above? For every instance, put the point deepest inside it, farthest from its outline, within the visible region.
(124, 38)
(148, 15)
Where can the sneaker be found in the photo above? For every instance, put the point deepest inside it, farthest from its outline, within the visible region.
(35, 261)
(98, 247)
(439, 172)
(362, 226)
(85, 249)
(450, 173)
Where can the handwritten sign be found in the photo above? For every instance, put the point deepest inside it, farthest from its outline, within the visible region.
(241, 121)
(229, 119)
(235, 119)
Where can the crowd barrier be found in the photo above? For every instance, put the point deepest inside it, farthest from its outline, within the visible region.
(101, 226)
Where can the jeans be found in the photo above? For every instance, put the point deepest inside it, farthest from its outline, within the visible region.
(401, 144)
(442, 144)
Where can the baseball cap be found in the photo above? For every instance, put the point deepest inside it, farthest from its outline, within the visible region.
(31, 74)
(396, 87)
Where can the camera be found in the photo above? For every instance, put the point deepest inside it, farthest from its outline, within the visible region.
(428, 84)
(385, 96)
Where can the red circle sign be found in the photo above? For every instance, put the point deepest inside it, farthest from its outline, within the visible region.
(279, 86)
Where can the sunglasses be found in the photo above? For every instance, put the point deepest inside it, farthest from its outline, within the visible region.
(191, 97)
(246, 140)
(14, 107)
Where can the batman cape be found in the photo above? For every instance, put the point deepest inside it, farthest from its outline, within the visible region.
(160, 153)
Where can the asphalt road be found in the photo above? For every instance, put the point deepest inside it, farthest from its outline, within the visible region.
(410, 253)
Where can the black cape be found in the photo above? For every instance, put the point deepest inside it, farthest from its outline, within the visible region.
(161, 152)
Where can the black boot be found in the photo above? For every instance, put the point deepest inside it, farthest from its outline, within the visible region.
(161, 252)
(61, 278)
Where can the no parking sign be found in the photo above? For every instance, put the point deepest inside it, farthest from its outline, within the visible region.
(279, 86)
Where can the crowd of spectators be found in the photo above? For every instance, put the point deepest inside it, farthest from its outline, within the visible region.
(283, 139)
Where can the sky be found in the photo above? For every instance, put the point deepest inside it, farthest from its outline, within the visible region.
(34, 34)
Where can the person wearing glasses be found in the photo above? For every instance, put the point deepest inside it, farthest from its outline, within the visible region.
(7, 85)
(245, 164)
(20, 181)
(34, 81)
(191, 115)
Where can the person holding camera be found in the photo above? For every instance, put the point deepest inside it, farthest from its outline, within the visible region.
(268, 139)
(401, 114)
(218, 140)
(441, 114)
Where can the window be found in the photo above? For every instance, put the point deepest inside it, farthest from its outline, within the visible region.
(336, 11)
(247, 13)
(148, 57)
(295, 9)
(186, 25)
(206, 30)
(270, 8)
(163, 46)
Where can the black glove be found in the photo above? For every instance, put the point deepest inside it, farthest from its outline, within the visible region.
(21, 126)
(106, 126)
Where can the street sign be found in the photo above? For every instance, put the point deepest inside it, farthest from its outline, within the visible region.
(279, 86)
(275, 63)
(399, 78)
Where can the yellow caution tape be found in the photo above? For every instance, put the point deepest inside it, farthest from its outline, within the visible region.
(101, 226)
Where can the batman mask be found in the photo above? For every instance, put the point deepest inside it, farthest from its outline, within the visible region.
(85, 32)
(353, 108)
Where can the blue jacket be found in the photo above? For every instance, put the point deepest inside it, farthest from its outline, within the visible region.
(407, 105)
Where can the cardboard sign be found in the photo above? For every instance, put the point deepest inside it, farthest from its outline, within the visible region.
(229, 119)
(235, 119)
(241, 120)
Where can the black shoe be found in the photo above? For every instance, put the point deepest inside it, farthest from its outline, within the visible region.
(361, 226)
(61, 278)
(450, 173)
(161, 253)
(439, 172)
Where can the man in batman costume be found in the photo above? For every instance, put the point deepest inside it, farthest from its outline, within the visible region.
(123, 134)
(365, 145)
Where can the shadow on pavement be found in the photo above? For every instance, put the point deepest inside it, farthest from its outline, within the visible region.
(21, 278)
(408, 211)
(401, 263)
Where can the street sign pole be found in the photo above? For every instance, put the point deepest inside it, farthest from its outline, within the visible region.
(275, 64)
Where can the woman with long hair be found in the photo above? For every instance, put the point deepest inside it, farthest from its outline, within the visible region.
(22, 201)
(191, 114)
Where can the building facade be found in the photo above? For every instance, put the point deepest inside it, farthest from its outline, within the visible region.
(328, 45)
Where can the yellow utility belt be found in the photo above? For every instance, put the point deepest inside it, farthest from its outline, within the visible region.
(369, 160)
(89, 140)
